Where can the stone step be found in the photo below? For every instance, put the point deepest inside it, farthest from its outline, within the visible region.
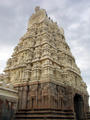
(45, 119)
(44, 112)
(41, 115)
(88, 115)
(48, 115)
(58, 110)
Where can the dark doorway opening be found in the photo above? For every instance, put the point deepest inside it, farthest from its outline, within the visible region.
(79, 107)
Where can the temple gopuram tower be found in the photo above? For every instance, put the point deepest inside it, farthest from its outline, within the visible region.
(45, 73)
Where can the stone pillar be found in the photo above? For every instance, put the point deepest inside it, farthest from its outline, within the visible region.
(28, 98)
(1, 102)
(24, 97)
(20, 97)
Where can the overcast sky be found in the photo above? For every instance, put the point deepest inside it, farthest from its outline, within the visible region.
(72, 15)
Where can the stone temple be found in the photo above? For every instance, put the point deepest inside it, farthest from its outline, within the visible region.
(43, 70)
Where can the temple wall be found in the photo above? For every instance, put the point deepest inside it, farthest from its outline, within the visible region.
(49, 95)
(8, 102)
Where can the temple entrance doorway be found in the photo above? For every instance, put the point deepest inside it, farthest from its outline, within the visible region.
(79, 107)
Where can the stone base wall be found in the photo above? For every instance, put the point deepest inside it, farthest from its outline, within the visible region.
(49, 95)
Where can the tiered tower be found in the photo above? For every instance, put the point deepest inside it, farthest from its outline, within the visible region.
(44, 71)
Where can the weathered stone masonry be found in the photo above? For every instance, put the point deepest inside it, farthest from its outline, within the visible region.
(45, 73)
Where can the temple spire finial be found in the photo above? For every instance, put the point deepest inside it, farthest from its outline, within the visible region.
(37, 8)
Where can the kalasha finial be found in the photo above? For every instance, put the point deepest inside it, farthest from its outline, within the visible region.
(37, 9)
